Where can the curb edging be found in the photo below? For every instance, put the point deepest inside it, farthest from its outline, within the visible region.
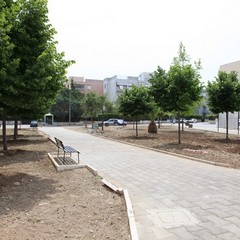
(120, 191)
(131, 218)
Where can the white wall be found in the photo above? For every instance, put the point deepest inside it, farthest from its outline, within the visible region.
(232, 120)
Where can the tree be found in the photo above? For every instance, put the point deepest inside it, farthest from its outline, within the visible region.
(33, 70)
(104, 106)
(152, 127)
(91, 105)
(60, 109)
(41, 71)
(8, 63)
(135, 101)
(224, 94)
(178, 89)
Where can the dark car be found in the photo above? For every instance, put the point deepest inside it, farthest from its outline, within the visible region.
(34, 123)
(114, 122)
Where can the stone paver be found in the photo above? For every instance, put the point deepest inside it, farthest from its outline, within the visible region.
(173, 198)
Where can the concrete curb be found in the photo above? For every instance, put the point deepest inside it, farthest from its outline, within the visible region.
(60, 168)
(131, 218)
(120, 191)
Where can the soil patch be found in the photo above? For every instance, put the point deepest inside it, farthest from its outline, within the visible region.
(39, 203)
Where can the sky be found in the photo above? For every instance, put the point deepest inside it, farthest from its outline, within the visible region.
(127, 37)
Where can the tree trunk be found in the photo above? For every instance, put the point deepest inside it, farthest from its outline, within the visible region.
(226, 125)
(179, 129)
(136, 128)
(159, 125)
(182, 125)
(238, 123)
(4, 135)
(15, 130)
(102, 119)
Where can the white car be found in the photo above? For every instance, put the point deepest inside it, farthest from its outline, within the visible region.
(114, 122)
(192, 120)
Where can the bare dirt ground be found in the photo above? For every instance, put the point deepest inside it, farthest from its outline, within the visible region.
(205, 145)
(36, 202)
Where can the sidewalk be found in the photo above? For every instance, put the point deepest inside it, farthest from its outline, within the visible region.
(172, 197)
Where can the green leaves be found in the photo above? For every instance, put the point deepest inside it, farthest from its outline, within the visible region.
(32, 72)
(135, 101)
(224, 93)
(179, 88)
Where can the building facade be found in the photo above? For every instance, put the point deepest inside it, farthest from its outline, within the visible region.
(87, 85)
(233, 66)
(114, 86)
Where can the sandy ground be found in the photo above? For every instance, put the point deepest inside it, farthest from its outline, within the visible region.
(39, 203)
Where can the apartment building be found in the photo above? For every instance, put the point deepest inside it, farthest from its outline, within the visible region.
(114, 86)
(87, 85)
(233, 66)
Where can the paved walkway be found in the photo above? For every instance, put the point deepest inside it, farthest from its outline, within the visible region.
(173, 198)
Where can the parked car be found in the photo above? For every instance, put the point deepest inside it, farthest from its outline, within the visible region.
(33, 123)
(192, 120)
(182, 120)
(114, 122)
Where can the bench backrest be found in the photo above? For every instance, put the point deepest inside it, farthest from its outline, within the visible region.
(59, 143)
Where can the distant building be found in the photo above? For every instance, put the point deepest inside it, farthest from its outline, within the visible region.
(87, 85)
(143, 79)
(233, 66)
(114, 86)
(203, 110)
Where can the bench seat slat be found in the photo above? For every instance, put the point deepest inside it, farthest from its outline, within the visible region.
(70, 149)
(66, 149)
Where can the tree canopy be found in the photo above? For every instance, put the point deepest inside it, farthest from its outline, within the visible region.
(32, 72)
(91, 105)
(135, 101)
(8, 62)
(224, 94)
(68, 98)
(40, 70)
(178, 89)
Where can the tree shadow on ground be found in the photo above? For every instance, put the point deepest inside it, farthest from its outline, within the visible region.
(20, 192)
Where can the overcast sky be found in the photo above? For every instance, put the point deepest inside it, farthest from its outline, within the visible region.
(127, 37)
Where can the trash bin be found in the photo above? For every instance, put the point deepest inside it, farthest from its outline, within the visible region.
(106, 124)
